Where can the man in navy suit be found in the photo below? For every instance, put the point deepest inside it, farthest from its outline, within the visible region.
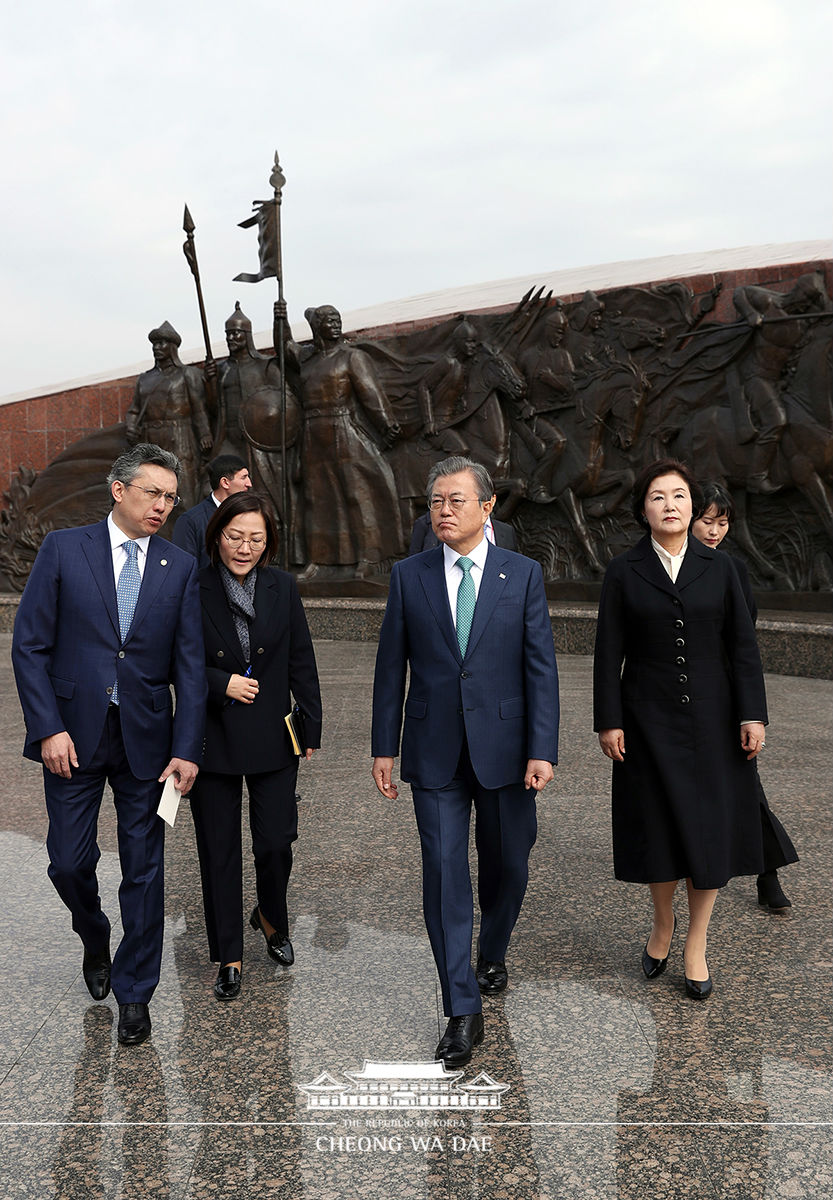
(94, 657)
(227, 474)
(480, 726)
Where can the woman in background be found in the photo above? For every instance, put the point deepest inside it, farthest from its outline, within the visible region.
(713, 522)
(680, 709)
(258, 653)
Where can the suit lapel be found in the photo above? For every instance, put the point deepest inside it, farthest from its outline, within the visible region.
(99, 555)
(157, 565)
(496, 571)
(698, 558)
(266, 600)
(215, 606)
(645, 561)
(432, 577)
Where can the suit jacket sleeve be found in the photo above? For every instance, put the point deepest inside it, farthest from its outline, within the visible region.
(390, 674)
(33, 641)
(303, 673)
(188, 674)
(541, 673)
(609, 653)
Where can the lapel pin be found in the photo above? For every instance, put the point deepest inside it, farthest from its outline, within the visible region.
(163, 562)
(502, 575)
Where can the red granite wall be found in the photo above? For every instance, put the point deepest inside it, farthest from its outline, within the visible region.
(33, 432)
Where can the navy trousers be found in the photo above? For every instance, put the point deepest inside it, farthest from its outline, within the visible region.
(505, 831)
(73, 806)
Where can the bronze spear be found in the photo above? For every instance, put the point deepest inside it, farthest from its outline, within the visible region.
(189, 249)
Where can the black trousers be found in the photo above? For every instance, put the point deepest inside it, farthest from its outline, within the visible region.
(216, 805)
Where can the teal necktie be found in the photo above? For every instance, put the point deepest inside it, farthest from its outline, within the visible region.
(465, 604)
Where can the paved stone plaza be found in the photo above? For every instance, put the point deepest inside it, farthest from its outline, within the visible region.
(591, 1082)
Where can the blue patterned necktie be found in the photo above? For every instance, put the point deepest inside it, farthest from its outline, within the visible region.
(465, 604)
(127, 593)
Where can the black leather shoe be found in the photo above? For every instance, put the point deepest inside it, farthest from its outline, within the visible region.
(277, 947)
(134, 1024)
(653, 967)
(770, 893)
(461, 1035)
(491, 977)
(96, 970)
(698, 989)
(227, 984)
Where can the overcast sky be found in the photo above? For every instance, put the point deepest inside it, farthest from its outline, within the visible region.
(426, 144)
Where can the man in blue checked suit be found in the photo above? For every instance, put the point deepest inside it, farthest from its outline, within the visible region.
(109, 619)
(471, 622)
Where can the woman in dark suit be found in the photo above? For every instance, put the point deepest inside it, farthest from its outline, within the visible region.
(258, 650)
(710, 526)
(680, 708)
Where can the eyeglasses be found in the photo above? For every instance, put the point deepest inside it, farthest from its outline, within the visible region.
(257, 542)
(153, 495)
(455, 502)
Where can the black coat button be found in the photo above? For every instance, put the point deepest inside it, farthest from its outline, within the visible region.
(679, 623)
(685, 699)
(220, 654)
(680, 661)
(464, 674)
(260, 649)
(121, 654)
(683, 679)
(680, 642)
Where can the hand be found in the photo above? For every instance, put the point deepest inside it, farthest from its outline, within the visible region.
(58, 754)
(308, 753)
(538, 774)
(612, 742)
(382, 771)
(240, 687)
(391, 433)
(753, 738)
(206, 444)
(210, 369)
(279, 310)
(184, 773)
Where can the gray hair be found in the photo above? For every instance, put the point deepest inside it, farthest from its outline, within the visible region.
(145, 454)
(453, 466)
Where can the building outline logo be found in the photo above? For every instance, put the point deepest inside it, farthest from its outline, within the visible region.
(402, 1085)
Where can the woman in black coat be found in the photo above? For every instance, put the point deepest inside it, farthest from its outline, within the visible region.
(680, 708)
(710, 526)
(258, 654)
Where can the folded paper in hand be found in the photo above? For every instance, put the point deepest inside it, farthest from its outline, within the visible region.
(169, 801)
(295, 724)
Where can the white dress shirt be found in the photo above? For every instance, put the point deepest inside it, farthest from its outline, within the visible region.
(117, 539)
(454, 574)
(671, 562)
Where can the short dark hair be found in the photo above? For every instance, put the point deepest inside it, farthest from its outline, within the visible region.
(716, 494)
(456, 464)
(144, 454)
(662, 466)
(223, 467)
(235, 506)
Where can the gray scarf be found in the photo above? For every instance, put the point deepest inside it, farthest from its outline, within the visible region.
(240, 598)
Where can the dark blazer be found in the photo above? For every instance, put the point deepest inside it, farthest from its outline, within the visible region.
(189, 530)
(677, 668)
(245, 739)
(67, 651)
(424, 538)
(503, 696)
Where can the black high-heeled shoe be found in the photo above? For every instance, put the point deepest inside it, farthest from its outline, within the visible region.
(652, 967)
(697, 989)
(277, 947)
